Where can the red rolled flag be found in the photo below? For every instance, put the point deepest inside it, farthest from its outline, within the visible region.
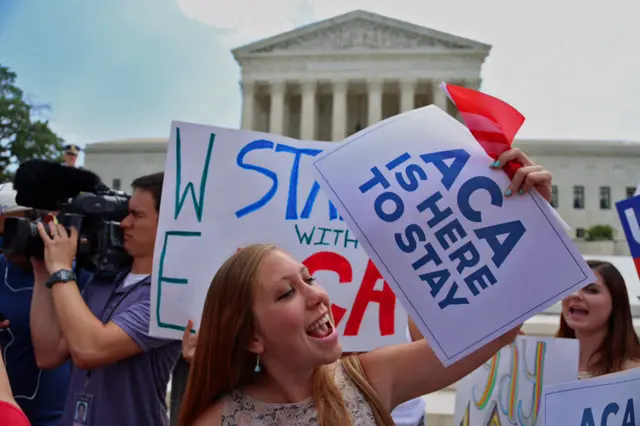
(492, 122)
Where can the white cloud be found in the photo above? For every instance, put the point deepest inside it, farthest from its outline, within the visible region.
(570, 66)
(243, 21)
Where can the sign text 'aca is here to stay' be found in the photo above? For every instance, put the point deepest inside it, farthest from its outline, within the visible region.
(225, 189)
(466, 262)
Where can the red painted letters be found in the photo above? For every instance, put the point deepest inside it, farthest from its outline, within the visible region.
(334, 262)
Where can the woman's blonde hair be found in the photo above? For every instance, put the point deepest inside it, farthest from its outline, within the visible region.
(223, 362)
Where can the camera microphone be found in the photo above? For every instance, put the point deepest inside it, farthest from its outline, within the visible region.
(80, 200)
(42, 184)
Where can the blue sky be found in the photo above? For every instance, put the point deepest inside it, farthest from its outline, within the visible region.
(126, 68)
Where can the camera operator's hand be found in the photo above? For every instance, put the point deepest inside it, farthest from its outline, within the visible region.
(59, 249)
(39, 270)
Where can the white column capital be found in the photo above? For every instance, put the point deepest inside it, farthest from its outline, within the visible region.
(407, 83)
(248, 101)
(277, 86)
(374, 98)
(339, 114)
(308, 114)
(439, 96)
(407, 94)
(375, 83)
(276, 118)
(309, 85)
(340, 85)
(247, 86)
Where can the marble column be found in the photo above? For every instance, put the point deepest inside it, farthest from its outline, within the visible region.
(374, 97)
(439, 96)
(339, 113)
(308, 115)
(407, 95)
(248, 103)
(276, 116)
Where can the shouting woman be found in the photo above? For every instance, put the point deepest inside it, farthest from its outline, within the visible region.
(268, 352)
(599, 316)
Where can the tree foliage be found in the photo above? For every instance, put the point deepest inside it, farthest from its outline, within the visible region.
(600, 233)
(22, 135)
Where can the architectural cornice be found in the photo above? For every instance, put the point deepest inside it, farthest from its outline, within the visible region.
(152, 145)
(359, 33)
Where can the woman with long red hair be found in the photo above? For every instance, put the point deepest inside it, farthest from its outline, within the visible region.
(268, 352)
(599, 316)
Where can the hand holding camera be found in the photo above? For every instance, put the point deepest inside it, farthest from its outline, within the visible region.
(60, 246)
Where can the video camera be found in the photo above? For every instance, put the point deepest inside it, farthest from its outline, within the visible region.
(81, 201)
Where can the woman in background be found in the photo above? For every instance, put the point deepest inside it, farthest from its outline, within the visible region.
(599, 316)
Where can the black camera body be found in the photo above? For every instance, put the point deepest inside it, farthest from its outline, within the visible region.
(81, 201)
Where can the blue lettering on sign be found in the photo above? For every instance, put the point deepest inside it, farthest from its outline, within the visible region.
(198, 203)
(449, 172)
(440, 223)
(610, 412)
(291, 208)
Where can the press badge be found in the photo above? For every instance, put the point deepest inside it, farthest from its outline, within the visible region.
(82, 411)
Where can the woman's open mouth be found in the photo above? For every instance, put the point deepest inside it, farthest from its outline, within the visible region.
(578, 312)
(321, 328)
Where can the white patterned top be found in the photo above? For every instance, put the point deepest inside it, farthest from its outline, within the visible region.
(242, 410)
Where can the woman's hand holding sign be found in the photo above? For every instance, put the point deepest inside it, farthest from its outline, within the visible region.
(529, 176)
(404, 372)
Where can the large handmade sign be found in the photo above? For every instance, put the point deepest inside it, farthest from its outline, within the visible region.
(467, 262)
(225, 189)
(507, 390)
(611, 400)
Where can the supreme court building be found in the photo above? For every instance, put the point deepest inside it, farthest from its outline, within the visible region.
(327, 80)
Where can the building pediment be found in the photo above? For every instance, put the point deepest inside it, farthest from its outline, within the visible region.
(359, 31)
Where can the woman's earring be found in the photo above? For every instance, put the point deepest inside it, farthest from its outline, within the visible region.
(257, 367)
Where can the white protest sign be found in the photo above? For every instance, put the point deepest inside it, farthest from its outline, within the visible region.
(466, 262)
(611, 400)
(507, 390)
(225, 189)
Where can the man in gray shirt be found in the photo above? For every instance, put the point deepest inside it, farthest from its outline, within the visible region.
(120, 373)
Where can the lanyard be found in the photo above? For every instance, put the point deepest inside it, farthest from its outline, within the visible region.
(106, 320)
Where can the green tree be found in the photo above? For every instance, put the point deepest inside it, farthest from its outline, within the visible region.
(22, 135)
(600, 233)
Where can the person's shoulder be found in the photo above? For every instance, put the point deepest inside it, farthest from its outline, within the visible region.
(11, 414)
(631, 364)
(212, 416)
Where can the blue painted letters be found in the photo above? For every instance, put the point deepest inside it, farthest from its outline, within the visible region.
(440, 234)
(291, 209)
(610, 416)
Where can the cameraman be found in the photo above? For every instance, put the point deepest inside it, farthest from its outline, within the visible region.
(120, 373)
(41, 394)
